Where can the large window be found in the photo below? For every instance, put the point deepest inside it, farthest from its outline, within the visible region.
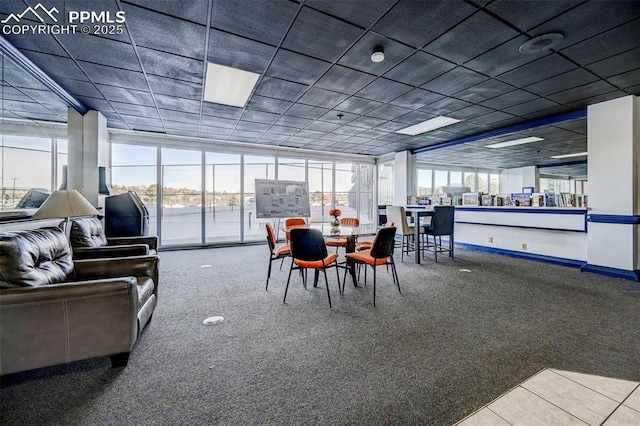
(425, 182)
(209, 197)
(385, 183)
(134, 168)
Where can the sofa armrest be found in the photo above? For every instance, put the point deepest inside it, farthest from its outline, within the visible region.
(136, 266)
(110, 251)
(61, 323)
(152, 242)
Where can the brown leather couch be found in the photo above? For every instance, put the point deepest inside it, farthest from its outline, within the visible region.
(88, 241)
(54, 310)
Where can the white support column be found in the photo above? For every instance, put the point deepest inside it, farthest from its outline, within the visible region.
(404, 181)
(613, 143)
(88, 149)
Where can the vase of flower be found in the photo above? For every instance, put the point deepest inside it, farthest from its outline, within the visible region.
(335, 220)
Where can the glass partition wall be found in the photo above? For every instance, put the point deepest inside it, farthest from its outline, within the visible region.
(209, 198)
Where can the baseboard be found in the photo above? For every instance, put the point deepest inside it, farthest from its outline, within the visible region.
(612, 272)
(573, 263)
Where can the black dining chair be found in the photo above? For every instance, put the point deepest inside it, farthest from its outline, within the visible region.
(308, 251)
(380, 253)
(441, 224)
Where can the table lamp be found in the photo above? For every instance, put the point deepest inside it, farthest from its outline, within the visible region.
(65, 204)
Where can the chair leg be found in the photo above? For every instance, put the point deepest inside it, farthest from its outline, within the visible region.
(395, 274)
(374, 284)
(287, 287)
(451, 246)
(326, 282)
(338, 277)
(268, 275)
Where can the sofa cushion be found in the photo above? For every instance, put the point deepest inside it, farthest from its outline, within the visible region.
(33, 258)
(87, 232)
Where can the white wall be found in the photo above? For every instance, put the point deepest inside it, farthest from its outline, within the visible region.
(513, 180)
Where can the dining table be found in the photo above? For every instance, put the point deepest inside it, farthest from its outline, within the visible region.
(350, 233)
(418, 212)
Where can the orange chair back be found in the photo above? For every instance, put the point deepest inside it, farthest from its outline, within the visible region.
(292, 221)
(271, 236)
(350, 221)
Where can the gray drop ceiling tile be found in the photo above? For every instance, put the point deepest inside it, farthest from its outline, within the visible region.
(582, 92)
(237, 52)
(610, 43)
(260, 116)
(80, 88)
(392, 126)
(184, 38)
(503, 58)
(172, 66)
(445, 106)
(252, 126)
(171, 87)
(309, 134)
(344, 80)
(280, 89)
(546, 112)
(491, 118)
(526, 14)
(262, 103)
(44, 43)
(617, 64)
(289, 121)
(531, 106)
(120, 94)
(191, 11)
(245, 135)
(322, 126)
(114, 76)
(183, 117)
(454, 81)
(594, 99)
(360, 12)
(136, 121)
(319, 35)
(348, 130)
(306, 111)
(356, 105)
(414, 117)
(283, 130)
(483, 91)
(388, 112)
(295, 67)
(96, 104)
(574, 78)
(600, 15)
(322, 98)
(241, 17)
(217, 110)
(134, 109)
(414, 14)
(508, 99)
(57, 66)
(366, 122)
(462, 43)
(384, 90)
(626, 80)
(416, 98)
(419, 68)
(541, 69)
(102, 51)
(177, 104)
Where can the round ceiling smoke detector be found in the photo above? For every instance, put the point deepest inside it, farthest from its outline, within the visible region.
(377, 55)
(541, 43)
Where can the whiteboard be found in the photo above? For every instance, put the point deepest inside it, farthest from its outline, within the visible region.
(282, 198)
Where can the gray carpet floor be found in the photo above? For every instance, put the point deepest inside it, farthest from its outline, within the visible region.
(450, 343)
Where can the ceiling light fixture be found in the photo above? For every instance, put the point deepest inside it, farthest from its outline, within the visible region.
(427, 126)
(514, 142)
(577, 154)
(377, 55)
(541, 43)
(228, 86)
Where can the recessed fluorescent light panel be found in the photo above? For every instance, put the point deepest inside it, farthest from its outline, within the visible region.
(228, 86)
(426, 126)
(514, 142)
(577, 154)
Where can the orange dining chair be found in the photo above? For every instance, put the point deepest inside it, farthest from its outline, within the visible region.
(293, 221)
(308, 251)
(381, 253)
(341, 241)
(275, 253)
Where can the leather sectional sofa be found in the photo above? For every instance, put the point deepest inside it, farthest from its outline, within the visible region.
(55, 310)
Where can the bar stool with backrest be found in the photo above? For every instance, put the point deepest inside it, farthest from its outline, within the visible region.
(275, 253)
(441, 224)
(398, 215)
(309, 251)
(381, 253)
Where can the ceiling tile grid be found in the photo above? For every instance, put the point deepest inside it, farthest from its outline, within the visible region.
(317, 81)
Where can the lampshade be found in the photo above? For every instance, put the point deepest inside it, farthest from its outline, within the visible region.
(65, 204)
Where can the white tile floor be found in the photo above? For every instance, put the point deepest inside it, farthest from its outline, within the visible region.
(556, 397)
